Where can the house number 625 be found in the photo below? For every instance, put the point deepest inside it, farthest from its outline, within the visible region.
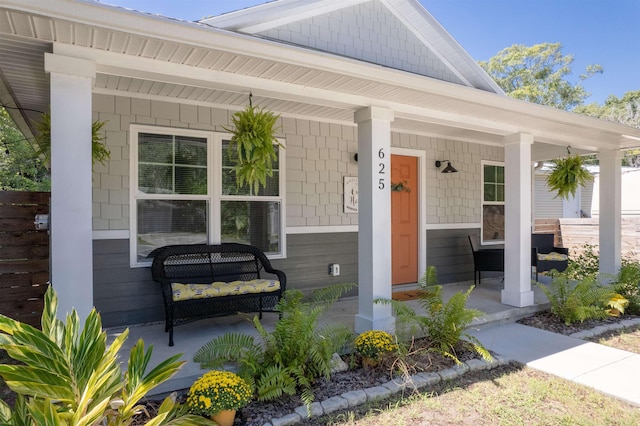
(381, 171)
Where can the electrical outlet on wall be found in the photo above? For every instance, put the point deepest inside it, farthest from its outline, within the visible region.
(334, 269)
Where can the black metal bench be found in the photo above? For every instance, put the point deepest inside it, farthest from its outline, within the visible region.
(202, 281)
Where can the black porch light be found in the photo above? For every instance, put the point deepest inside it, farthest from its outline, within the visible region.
(448, 169)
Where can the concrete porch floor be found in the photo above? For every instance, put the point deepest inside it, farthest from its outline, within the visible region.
(190, 337)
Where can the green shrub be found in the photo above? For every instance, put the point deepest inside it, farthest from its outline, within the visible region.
(574, 301)
(444, 323)
(68, 375)
(627, 284)
(586, 264)
(293, 355)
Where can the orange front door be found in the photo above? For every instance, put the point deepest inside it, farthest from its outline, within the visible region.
(404, 219)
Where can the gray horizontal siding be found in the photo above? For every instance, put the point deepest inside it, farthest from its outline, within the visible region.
(309, 257)
(450, 252)
(125, 295)
(121, 294)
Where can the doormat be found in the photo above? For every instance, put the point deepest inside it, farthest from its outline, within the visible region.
(405, 295)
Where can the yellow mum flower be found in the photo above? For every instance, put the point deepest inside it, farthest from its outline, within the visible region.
(216, 391)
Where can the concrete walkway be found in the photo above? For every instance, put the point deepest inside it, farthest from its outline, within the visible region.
(611, 371)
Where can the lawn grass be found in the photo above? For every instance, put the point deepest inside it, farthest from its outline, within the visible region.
(625, 339)
(510, 395)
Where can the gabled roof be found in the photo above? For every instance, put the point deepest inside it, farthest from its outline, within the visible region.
(427, 44)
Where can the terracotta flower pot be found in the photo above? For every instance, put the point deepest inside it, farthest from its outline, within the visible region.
(369, 362)
(224, 417)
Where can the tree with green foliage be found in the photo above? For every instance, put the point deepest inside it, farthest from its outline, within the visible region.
(21, 168)
(539, 74)
(624, 110)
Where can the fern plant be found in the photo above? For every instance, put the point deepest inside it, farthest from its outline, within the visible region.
(99, 152)
(293, 355)
(253, 146)
(69, 377)
(566, 174)
(577, 301)
(444, 322)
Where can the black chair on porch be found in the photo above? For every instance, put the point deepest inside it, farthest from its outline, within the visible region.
(485, 259)
(545, 256)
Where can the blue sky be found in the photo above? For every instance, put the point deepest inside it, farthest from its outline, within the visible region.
(605, 32)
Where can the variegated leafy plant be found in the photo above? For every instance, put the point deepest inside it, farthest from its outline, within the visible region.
(69, 376)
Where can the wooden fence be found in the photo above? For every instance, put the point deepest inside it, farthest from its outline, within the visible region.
(24, 255)
(548, 226)
(575, 233)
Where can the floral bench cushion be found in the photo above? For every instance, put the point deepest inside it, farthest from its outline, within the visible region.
(202, 291)
(552, 256)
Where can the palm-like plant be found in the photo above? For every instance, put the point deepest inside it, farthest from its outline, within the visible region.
(290, 357)
(69, 376)
(444, 323)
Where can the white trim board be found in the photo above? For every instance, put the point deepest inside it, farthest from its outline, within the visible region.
(123, 234)
(111, 234)
(437, 226)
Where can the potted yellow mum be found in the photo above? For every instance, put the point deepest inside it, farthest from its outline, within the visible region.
(218, 394)
(373, 344)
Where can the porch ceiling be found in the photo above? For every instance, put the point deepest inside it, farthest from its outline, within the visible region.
(193, 63)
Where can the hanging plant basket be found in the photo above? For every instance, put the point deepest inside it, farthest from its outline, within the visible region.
(253, 146)
(99, 151)
(566, 175)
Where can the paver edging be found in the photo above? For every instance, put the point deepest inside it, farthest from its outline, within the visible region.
(593, 332)
(417, 381)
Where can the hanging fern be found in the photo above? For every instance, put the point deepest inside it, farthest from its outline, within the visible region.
(99, 152)
(253, 146)
(566, 175)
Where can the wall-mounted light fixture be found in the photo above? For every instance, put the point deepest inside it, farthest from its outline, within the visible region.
(448, 169)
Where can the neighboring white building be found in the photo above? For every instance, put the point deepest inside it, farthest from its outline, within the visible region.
(587, 200)
(380, 78)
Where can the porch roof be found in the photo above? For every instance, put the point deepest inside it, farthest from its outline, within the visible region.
(153, 57)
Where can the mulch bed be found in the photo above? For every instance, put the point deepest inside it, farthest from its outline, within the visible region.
(357, 377)
(547, 321)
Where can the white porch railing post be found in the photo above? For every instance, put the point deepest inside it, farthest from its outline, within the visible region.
(517, 247)
(610, 211)
(374, 218)
(71, 203)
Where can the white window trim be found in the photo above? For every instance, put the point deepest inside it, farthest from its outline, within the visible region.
(491, 203)
(214, 196)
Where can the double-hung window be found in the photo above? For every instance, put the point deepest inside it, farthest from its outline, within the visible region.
(183, 191)
(492, 202)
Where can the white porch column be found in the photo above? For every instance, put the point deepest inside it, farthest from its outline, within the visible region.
(610, 210)
(517, 247)
(71, 194)
(374, 218)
